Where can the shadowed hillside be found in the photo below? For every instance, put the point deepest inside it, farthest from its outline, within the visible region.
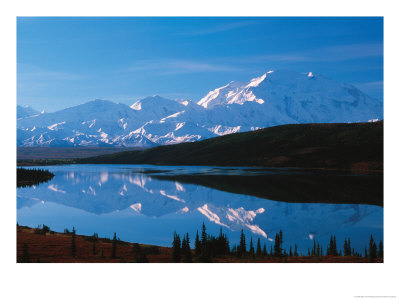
(355, 146)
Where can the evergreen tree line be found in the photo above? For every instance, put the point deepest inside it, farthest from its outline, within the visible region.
(372, 252)
(29, 177)
(276, 250)
(207, 246)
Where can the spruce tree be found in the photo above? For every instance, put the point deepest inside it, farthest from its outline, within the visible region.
(258, 251)
(330, 247)
(277, 245)
(251, 252)
(375, 251)
(187, 253)
(314, 249)
(73, 246)
(176, 248)
(264, 252)
(380, 250)
(349, 247)
(114, 246)
(372, 249)
(203, 237)
(197, 244)
(227, 247)
(334, 247)
(290, 251)
(220, 243)
(242, 246)
(184, 246)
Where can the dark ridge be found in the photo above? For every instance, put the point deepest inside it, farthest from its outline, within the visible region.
(354, 146)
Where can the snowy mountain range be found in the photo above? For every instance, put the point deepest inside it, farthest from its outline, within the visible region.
(275, 98)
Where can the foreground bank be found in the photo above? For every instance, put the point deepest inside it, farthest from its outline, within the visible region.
(41, 245)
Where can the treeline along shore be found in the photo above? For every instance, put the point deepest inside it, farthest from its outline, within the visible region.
(353, 146)
(30, 177)
(41, 244)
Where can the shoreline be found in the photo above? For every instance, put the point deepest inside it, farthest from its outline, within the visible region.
(55, 247)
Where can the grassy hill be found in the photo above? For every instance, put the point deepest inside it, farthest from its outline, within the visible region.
(355, 146)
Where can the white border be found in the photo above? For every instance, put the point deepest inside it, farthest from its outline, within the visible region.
(229, 281)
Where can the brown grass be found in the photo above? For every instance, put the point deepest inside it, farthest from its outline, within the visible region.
(55, 248)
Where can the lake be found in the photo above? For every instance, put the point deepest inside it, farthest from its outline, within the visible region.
(146, 204)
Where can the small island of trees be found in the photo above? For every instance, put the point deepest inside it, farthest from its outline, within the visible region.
(30, 177)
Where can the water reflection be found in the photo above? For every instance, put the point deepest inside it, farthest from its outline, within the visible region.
(145, 204)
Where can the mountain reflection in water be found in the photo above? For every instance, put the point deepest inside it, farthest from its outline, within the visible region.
(147, 203)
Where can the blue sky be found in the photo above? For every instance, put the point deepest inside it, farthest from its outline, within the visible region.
(63, 62)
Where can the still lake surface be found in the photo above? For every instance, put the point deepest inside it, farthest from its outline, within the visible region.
(146, 204)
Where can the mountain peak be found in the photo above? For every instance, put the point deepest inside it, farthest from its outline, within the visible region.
(152, 101)
(274, 98)
(256, 81)
(296, 97)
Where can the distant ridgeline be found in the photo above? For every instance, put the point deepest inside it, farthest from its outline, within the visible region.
(353, 146)
(29, 177)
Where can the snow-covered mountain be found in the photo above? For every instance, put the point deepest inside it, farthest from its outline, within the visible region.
(275, 98)
(289, 97)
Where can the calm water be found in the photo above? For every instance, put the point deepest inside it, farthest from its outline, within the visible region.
(145, 204)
